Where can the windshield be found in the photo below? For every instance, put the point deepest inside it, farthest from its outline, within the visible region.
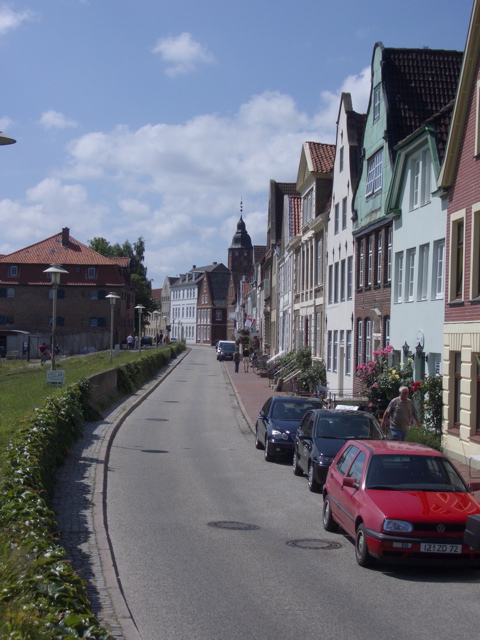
(413, 473)
(289, 410)
(228, 348)
(348, 427)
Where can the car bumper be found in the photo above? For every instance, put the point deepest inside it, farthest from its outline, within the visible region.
(281, 447)
(408, 549)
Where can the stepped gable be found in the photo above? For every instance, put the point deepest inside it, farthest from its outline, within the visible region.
(418, 84)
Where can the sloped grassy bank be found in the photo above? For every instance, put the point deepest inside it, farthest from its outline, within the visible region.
(41, 597)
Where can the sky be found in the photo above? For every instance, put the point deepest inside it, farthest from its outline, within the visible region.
(157, 118)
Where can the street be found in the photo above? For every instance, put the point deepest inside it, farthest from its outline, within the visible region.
(212, 542)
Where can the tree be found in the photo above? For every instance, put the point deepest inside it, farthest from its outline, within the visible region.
(138, 271)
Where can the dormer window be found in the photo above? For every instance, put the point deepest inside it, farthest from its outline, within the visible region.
(91, 272)
(376, 103)
(13, 270)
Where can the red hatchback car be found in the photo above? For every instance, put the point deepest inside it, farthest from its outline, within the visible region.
(399, 501)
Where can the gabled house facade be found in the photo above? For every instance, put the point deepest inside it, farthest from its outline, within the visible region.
(314, 184)
(82, 310)
(460, 178)
(340, 251)
(408, 87)
(419, 225)
(212, 305)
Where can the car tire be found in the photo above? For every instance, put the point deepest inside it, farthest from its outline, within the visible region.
(312, 483)
(329, 523)
(362, 553)
(297, 470)
(258, 444)
(266, 453)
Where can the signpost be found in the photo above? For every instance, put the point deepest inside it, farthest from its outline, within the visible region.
(55, 378)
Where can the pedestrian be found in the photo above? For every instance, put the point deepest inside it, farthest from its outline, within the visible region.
(160, 337)
(135, 344)
(246, 359)
(399, 414)
(129, 341)
(44, 353)
(236, 359)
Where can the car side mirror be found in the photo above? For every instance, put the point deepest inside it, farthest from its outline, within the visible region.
(474, 486)
(349, 482)
(262, 416)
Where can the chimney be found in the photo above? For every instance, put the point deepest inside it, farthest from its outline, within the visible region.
(65, 237)
(194, 266)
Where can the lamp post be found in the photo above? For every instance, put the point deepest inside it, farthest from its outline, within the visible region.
(155, 315)
(112, 297)
(140, 308)
(55, 271)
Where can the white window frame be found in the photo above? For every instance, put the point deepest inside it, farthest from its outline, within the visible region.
(398, 276)
(423, 260)
(374, 173)
(379, 257)
(344, 213)
(410, 275)
(350, 278)
(438, 270)
(376, 103)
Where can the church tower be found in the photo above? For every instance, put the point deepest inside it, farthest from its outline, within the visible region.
(240, 253)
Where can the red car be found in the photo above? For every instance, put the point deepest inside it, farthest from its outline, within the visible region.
(399, 501)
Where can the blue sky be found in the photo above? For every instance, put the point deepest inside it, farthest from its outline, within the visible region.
(155, 118)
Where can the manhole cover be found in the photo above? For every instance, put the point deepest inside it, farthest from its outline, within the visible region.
(239, 526)
(314, 543)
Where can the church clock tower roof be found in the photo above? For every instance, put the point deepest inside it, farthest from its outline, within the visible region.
(241, 239)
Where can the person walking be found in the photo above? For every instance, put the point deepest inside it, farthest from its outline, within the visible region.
(399, 414)
(44, 354)
(129, 341)
(246, 359)
(236, 359)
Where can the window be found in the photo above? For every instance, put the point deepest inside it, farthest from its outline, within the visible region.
(349, 277)
(344, 213)
(376, 103)
(387, 330)
(97, 322)
(13, 270)
(378, 279)
(218, 315)
(369, 260)
(374, 173)
(337, 218)
(477, 123)
(342, 280)
(341, 159)
(389, 253)
(360, 264)
(410, 275)
(423, 272)
(368, 340)
(457, 258)
(346, 458)
(335, 351)
(330, 284)
(348, 354)
(60, 321)
(60, 294)
(91, 272)
(398, 276)
(329, 351)
(457, 379)
(475, 255)
(7, 293)
(438, 269)
(420, 179)
(320, 260)
(335, 285)
(359, 343)
(308, 207)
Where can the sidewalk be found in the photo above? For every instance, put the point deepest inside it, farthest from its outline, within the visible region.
(252, 391)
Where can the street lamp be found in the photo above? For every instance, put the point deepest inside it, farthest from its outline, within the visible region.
(155, 315)
(112, 297)
(140, 308)
(55, 271)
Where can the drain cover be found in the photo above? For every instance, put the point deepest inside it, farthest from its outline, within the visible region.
(238, 526)
(314, 543)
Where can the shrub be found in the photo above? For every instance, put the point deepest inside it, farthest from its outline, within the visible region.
(426, 436)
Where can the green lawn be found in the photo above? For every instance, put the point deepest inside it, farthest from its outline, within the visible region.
(23, 385)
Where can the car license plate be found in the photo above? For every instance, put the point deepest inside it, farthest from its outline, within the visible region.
(435, 547)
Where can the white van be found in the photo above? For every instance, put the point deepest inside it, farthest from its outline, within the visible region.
(226, 349)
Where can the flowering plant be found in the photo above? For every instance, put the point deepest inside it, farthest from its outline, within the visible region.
(381, 383)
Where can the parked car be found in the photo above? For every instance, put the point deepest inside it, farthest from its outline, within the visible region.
(226, 349)
(277, 424)
(399, 501)
(147, 340)
(321, 435)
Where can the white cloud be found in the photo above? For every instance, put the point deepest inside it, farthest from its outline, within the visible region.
(54, 120)
(182, 54)
(10, 19)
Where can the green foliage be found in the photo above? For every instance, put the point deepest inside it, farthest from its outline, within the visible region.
(431, 408)
(426, 436)
(41, 597)
(380, 382)
(312, 373)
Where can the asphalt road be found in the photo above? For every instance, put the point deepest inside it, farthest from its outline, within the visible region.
(214, 543)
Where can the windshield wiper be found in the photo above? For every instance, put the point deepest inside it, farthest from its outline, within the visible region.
(385, 487)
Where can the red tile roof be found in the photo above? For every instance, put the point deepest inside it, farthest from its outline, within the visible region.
(323, 156)
(51, 251)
